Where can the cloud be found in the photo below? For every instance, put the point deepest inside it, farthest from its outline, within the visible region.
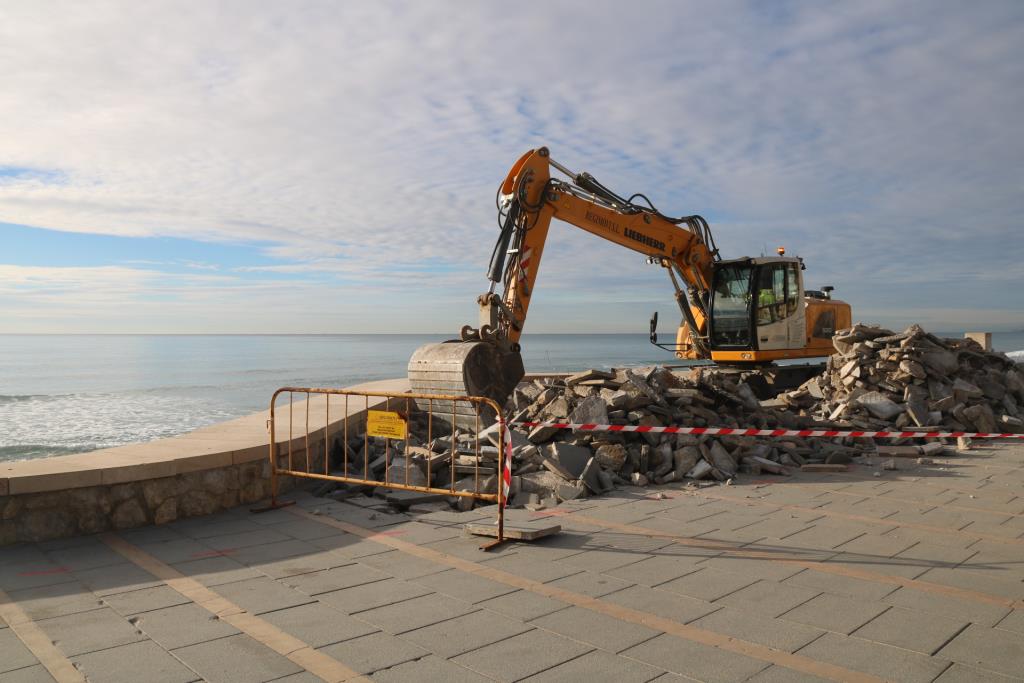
(365, 141)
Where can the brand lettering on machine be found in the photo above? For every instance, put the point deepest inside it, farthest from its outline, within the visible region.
(643, 239)
(627, 232)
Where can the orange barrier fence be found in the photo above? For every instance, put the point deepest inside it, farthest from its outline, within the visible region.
(400, 442)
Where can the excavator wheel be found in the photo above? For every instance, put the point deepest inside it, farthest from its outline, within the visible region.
(458, 368)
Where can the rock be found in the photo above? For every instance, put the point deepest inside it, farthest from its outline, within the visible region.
(701, 470)
(879, 405)
(570, 491)
(166, 512)
(566, 460)
(611, 456)
(128, 514)
(591, 410)
(638, 479)
(587, 375)
(684, 460)
(721, 459)
(982, 418)
(541, 434)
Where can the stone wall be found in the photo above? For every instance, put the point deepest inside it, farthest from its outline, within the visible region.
(92, 509)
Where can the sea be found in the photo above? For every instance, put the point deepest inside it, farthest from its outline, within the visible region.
(62, 394)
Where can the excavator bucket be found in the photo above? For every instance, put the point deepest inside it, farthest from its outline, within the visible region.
(457, 368)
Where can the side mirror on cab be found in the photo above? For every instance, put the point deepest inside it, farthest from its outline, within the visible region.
(654, 327)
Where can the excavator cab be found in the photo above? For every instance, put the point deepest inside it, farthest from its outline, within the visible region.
(760, 312)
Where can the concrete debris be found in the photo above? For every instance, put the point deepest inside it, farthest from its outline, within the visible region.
(877, 380)
(882, 380)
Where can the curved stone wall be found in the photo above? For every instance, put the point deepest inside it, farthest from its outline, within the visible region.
(198, 473)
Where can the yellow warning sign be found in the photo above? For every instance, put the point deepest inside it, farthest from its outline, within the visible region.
(385, 423)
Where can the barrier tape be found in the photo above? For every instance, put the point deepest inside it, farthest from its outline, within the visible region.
(764, 432)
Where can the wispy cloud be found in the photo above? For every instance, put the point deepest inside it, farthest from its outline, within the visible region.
(362, 143)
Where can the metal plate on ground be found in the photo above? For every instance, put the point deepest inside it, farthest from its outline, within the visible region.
(513, 533)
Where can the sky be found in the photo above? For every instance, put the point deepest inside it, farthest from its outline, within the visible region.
(325, 167)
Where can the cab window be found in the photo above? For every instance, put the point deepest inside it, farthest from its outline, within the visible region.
(771, 293)
(792, 288)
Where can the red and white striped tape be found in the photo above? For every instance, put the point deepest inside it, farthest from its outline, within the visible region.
(723, 431)
(506, 471)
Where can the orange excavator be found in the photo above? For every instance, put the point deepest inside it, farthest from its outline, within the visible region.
(743, 312)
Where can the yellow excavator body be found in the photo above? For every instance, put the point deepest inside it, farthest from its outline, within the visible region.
(745, 311)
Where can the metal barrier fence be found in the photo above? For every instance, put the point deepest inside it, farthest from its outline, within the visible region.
(404, 442)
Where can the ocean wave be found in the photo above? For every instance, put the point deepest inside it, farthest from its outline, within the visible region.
(18, 398)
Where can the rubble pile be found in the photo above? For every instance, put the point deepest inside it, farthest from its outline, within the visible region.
(882, 380)
(877, 380)
(551, 465)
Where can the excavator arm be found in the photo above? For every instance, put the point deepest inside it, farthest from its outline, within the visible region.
(530, 197)
(485, 361)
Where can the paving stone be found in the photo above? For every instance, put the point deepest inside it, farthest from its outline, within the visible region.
(1014, 621)
(55, 600)
(306, 563)
(835, 613)
(235, 659)
(958, 673)
(604, 560)
(301, 677)
(83, 632)
(32, 574)
(912, 630)
(416, 613)
(662, 603)
(374, 652)
(598, 667)
(841, 585)
(466, 587)
(695, 660)
(346, 576)
(531, 568)
(429, 668)
(148, 535)
(884, 661)
(402, 566)
(523, 605)
(290, 548)
(349, 546)
(304, 529)
(318, 625)
(708, 584)
(599, 630)
(468, 632)
(145, 600)
(590, 584)
(520, 656)
(262, 595)
(948, 606)
(751, 567)
(372, 595)
(180, 550)
(768, 598)
(13, 653)
(88, 556)
(987, 648)
(213, 571)
(780, 674)
(118, 578)
(214, 525)
(984, 582)
(775, 633)
(145, 661)
(657, 569)
(174, 627)
(29, 674)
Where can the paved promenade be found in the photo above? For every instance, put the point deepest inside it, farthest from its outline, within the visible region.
(913, 575)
